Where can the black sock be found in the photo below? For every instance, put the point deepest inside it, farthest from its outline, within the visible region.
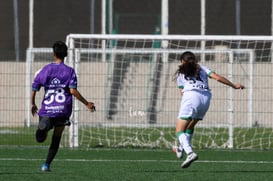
(53, 149)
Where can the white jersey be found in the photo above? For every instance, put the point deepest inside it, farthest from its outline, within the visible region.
(195, 83)
(196, 95)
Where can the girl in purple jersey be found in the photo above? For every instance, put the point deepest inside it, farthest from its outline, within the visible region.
(60, 83)
(192, 80)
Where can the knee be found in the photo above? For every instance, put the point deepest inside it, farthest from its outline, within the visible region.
(44, 124)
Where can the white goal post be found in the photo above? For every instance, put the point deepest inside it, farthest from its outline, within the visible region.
(130, 79)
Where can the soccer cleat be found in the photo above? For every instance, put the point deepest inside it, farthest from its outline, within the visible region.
(178, 152)
(190, 158)
(45, 167)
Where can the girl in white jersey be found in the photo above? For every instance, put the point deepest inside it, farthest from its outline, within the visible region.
(192, 80)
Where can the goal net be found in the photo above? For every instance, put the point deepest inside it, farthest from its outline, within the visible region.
(130, 78)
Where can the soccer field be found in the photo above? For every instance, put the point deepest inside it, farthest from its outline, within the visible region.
(134, 164)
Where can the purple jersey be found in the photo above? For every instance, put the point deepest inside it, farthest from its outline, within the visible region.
(56, 79)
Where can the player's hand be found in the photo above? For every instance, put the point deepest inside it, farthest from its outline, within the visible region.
(239, 86)
(34, 110)
(91, 106)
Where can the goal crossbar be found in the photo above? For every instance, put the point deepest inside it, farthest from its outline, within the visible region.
(169, 37)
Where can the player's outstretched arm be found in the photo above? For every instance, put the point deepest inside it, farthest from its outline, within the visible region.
(225, 81)
(77, 94)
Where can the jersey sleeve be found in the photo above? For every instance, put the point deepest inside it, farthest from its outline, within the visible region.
(207, 70)
(73, 81)
(38, 79)
(180, 83)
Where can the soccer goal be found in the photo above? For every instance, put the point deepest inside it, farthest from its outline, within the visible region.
(130, 78)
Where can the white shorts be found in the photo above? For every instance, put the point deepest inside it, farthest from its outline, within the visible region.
(194, 105)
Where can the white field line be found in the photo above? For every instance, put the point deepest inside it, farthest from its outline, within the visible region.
(168, 161)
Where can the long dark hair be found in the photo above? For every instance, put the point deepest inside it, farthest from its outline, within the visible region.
(190, 67)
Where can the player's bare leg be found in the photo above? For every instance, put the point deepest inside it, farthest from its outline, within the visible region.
(54, 146)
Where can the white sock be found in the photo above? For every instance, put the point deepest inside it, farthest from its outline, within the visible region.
(190, 138)
(184, 140)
